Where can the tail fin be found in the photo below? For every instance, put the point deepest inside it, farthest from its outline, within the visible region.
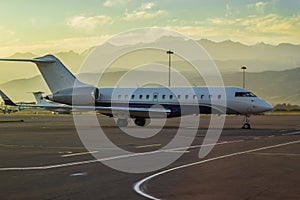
(56, 75)
(39, 98)
(6, 99)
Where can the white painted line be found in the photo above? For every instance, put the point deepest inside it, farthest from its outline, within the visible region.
(292, 133)
(138, 185)
(108, 158)
(79, 174)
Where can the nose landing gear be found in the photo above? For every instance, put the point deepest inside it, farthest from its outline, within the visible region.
(246, 124)
(122, 122)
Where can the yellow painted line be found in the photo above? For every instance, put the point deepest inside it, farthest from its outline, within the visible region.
(149, 145)
(175, 151)
(276, 154)
(79, 154)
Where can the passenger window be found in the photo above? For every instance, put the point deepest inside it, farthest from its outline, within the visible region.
(141, 96)
(194, 97)
(186, 96)
(132, 96)
(163, 96)
(155, 96)
(147, 96)
(202, 96)
(219, 96)
(119, 96)
(210, 96)
(178, 96)
(171, 96)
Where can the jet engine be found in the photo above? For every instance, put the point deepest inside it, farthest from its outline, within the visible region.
(86, 95)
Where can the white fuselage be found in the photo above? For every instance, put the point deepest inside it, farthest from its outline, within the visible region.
(233, 100)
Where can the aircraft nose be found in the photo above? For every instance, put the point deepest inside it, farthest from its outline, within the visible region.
(266, 106)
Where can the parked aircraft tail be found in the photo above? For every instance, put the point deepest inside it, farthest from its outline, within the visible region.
(39, 98)
(6, 99)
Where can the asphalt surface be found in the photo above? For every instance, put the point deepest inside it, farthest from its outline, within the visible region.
(43, 157)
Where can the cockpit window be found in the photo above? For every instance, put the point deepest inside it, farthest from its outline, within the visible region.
(244, 94)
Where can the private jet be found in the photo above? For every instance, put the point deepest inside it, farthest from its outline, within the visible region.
(55, 108)
(143, 102)
(6, 110)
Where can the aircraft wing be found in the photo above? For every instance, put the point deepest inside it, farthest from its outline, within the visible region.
(133, 111)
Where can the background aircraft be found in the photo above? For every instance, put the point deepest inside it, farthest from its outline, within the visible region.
(6, 110)
(41, 103)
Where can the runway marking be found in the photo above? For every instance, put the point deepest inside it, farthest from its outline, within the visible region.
(174, 151)
(8, 145)
(53, 147)
(292, 133)
(46, 167)
(78, 154)
(149, 145)
(79, 174)
(276, 154)
(280, 131)
(138, 185)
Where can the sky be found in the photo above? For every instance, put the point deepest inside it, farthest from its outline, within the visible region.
(49, 26)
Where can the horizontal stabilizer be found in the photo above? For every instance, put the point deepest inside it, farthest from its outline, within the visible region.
(34, 60)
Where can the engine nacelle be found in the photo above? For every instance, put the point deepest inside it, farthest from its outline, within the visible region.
(86, 95)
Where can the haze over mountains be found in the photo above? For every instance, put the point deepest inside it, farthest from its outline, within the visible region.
(272, 71)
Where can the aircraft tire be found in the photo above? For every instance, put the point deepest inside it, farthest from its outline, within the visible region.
(246, 126)
(140, 121)
(122, 122)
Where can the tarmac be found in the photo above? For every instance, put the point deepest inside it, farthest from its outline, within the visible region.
(44, 157)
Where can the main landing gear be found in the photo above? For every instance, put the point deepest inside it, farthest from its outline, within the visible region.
(140, 121)
(246, 124)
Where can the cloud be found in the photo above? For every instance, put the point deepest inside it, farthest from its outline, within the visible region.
(112, 3)
(147, 6)
(270, 24)
(228, 10)
(271, 28)
(258, 6)
(144, 12)
(89, 23)
(273, 23)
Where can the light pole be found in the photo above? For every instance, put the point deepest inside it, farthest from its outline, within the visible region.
(244, 75)
(170, 53)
